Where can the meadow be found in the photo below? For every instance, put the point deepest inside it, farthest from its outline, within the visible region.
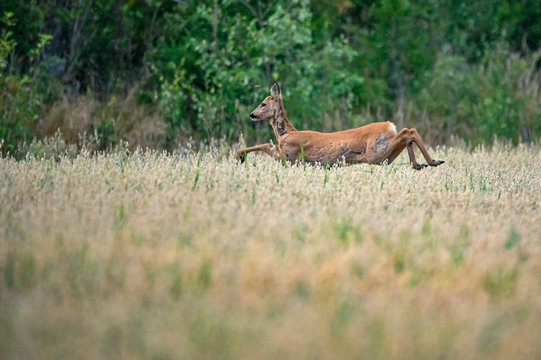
(191, 255)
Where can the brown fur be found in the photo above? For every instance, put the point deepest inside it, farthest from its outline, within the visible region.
(373, 143)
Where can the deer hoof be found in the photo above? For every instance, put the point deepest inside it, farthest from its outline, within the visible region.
(419, 166)
(436, 162)
(241, 156)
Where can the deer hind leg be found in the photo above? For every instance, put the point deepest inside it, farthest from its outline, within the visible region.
(419, 142)
(266, 148)
(397, 144)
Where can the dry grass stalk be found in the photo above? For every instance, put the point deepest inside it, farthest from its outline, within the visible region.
(195, 256)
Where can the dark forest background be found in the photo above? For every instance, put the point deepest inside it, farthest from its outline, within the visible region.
(155, 74)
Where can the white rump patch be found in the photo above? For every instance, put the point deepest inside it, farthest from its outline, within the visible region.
(393, 127)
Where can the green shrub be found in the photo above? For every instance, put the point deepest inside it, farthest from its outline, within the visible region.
(497, 98)
(208, 88)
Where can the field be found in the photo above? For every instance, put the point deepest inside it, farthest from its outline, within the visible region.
(194, 256)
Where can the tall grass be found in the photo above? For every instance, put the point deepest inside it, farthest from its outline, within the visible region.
(194, 256)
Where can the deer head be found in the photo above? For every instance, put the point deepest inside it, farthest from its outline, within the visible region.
(272, 105)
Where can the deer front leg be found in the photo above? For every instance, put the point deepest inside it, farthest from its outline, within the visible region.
(405, 139)
(268, 148)
(395, 152)
(401, 141)
(411, 155)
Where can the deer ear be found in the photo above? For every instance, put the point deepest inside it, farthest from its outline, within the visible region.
(275, 90)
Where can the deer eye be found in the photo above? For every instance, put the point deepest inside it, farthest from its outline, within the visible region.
(263, 105)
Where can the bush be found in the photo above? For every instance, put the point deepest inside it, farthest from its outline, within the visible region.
(498, 98)
(196, 69)
(208, 88)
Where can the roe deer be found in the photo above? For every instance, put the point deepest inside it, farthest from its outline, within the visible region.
(373, 143)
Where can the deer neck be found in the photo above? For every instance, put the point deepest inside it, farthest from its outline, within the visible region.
(280, 122)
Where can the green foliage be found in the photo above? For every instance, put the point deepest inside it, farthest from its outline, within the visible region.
(481, 102)
(20, 101)
(213, 77)
(7, 43)
(19, 111)
(513, 238)
(457, 69)
(500, 282)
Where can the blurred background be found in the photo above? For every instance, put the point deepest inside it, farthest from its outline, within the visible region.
(159, 73)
